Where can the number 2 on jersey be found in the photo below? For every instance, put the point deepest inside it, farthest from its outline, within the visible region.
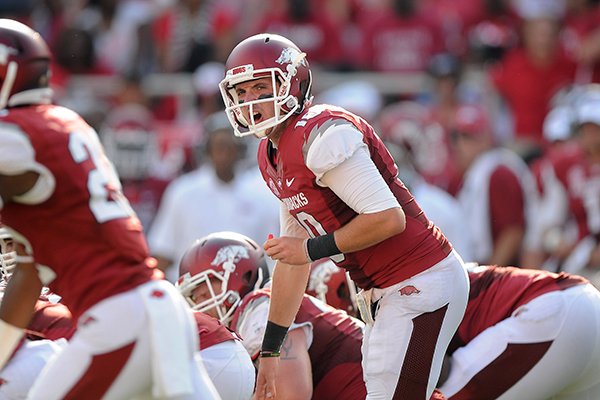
(107, 202)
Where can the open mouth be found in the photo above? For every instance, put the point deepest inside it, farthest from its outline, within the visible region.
(257, 116)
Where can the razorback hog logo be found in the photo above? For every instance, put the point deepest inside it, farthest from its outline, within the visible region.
(6, 52)
(232, 254)
(289, 55)
(408, 290)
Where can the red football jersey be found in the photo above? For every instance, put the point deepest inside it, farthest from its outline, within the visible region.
(50, 321)
(496, 292)
(212, 331)
(335, 351)
(85, 231)
(581, 180)
(320, 211)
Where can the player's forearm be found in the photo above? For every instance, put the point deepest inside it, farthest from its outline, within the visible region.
(19, 298)
(366, 230)
(289, 284)
(507, 246)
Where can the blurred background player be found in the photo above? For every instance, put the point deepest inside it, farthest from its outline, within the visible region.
(413, 136)
(221, 274)
(497, 191)
(131, 142)
(61, 194)
(527, 334)
(574, 179)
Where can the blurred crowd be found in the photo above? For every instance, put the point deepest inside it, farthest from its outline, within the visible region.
(503, 137)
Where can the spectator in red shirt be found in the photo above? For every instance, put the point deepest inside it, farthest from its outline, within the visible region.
(528, 77)
(399, 39)
(193, 32)
(581, 38)
(307, 26)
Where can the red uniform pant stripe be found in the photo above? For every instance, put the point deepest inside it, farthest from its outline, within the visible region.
(414, 375)
(100, 375)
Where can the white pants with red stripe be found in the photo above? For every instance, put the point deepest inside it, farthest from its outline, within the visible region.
(113, 354)
(568, 320)
(414, 323)
(17, 377)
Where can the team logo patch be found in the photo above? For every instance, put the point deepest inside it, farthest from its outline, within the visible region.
(230, 254)
(408, 290)
(288, 55)
(273, 187)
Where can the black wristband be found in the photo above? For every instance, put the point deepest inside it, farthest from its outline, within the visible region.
(274, 337)
(322, 246)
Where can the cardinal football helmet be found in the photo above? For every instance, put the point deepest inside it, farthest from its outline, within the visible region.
(259, 56)
(332, 285)
(232, 259)
(24, 60)
(413, 136)
(130, 141)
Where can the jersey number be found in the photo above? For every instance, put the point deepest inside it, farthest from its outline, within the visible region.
(314, 228)
(107, 202)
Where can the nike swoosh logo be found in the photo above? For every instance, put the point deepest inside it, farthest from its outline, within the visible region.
(289, 182)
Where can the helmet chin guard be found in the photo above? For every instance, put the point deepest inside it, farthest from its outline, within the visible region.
(8, 255)
(266, 56)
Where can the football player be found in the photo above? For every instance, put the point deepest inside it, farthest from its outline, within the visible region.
(527, 334)
(45, 334)
(341, 198)
(135, 335)
(320, 357)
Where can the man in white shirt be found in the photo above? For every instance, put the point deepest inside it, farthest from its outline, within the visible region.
(217, 196)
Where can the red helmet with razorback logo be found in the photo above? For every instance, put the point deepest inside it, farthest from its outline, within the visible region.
(131, 141)
(24, 60)
(332, 285)
(413, 136)
(230, 265)
(260, 56)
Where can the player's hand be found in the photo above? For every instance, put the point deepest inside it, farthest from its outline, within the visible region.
(288, 250)
(265, 380)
